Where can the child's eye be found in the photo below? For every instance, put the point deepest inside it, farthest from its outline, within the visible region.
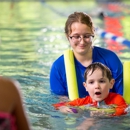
(91, 82)
(102, 81)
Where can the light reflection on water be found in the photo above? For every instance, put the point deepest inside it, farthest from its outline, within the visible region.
(29, 43)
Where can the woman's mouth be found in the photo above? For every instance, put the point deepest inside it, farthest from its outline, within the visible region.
(82, 46)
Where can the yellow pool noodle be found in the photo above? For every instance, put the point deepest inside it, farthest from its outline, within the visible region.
(108, 110)
(126, 81)
(71, 75)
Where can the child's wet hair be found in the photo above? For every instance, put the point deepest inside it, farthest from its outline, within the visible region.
(94, 66)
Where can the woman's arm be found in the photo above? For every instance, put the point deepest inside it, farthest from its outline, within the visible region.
(58, 83)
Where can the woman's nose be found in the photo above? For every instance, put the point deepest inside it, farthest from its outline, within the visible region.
(82, 40)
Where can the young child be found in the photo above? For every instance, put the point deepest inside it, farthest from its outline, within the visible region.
(98, 82)
(12, 113)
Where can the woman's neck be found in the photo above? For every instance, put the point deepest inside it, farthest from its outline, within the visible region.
(84, 59)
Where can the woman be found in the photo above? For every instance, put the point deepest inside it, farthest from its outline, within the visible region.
(80, 33)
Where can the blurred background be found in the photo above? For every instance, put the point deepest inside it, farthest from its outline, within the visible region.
(32, 37)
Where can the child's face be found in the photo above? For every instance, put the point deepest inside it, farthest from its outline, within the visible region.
(97, 85)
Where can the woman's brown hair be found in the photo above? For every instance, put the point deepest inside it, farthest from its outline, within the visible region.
(80, 17)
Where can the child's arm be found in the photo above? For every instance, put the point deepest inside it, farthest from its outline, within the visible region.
(62, 107)
(67, 106)
(121, 106)
(120, 110)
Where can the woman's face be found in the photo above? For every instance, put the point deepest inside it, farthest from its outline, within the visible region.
(80, 38)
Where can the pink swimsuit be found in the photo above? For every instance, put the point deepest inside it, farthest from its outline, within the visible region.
(7, 122)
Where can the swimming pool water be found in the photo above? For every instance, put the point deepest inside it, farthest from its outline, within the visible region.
(31, 38)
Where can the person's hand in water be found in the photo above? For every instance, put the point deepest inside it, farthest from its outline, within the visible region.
(66, 109)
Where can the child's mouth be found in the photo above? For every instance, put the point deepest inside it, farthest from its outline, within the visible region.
(98, 93)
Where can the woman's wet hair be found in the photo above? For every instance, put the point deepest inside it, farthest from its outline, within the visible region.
(92, 67)
(80, 17)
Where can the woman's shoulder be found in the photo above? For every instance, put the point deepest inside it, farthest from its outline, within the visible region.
(102, 49)
(59, 62)
(104, 52)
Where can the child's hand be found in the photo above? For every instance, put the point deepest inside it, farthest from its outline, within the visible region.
(65, 109)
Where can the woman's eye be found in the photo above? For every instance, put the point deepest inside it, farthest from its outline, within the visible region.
(76, 37)
(86, 36)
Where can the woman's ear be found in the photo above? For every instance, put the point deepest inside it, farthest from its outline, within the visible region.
(85, 85)
(112, 81)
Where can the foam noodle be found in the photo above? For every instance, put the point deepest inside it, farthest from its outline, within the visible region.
(92, 108)
(126, 80)
(71, 75)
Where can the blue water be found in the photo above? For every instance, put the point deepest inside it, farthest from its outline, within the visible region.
(31, 38)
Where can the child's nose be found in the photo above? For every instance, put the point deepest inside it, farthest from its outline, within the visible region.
(97, 86)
